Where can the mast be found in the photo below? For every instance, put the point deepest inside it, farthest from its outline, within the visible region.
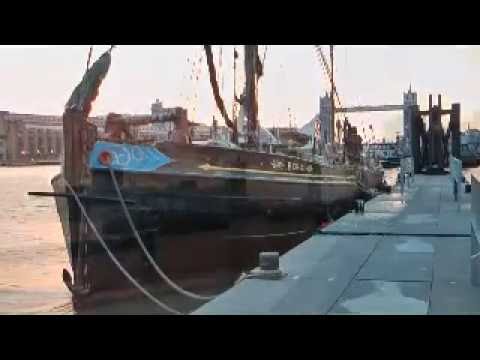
(253, 70)
(332, 100)
(234, 115)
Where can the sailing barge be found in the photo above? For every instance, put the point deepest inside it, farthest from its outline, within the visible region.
(197, 209)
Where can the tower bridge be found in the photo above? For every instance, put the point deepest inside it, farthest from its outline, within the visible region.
(325, 114)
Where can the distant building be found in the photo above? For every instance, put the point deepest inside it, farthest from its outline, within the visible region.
(156, 132)
(325, 116)
(383, 150)
(26, 138)
(3, 141)
(159, 131)
(30, 138)
(201, 132)
(99, 122)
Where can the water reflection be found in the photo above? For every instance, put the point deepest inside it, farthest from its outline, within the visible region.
(32, 251)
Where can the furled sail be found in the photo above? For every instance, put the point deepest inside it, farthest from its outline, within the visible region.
(87, 91)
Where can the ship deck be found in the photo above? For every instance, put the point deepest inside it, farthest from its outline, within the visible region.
(409, 253)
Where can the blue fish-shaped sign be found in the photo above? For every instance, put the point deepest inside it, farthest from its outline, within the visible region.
(126, 157)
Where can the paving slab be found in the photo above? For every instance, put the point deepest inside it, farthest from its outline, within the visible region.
(454, 297)
(363, 223)
(407, 254)
(318, 271)
(389, 265)
(408, 244)
(385, 206)
(384, 298)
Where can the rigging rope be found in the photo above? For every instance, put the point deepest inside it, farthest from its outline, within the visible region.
(214, 84)
(196, 73)
(114, 259)
(234, 102)
(220, 67)
(327, 70)
(145, 251)
(264, 55)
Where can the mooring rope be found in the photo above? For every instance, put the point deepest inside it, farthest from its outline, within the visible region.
(114, 259)
(145, 251)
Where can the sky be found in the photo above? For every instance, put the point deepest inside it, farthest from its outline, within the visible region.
(39, 79)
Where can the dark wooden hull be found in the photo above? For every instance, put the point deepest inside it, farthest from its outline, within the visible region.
(191, 232)
(390, 163)
(470, 161)
(196, 219)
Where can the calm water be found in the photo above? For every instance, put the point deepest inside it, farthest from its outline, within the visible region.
(32, 250)
(33, 254)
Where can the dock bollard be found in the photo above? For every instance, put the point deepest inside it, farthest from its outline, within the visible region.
(269, 261)
(269, 267)
(360, 206)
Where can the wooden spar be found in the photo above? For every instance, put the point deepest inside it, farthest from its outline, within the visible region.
(72, 133)
(73, 123)
(234, 115)
(82, 197)
(251, 105)
(332, 99)
(79, 137)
